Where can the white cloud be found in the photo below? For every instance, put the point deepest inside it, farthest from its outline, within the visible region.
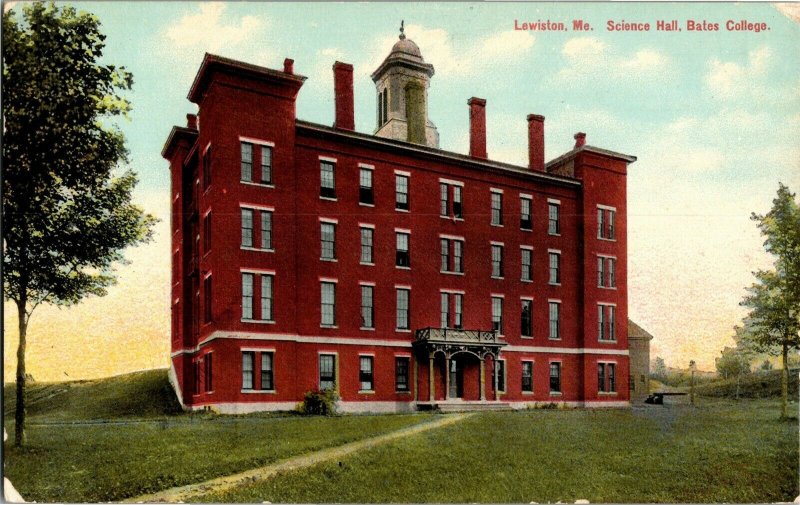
(590, 57)
(206, 29)
(452, 58)
(727, 79)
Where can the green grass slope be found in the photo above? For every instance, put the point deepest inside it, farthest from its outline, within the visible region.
(140, 394)
(756, 385)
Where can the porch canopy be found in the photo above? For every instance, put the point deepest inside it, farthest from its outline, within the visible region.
(450, 341)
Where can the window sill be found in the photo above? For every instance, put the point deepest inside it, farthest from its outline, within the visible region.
(257, 321)
(497, 225)
(364, 204)
(527, 393)
(328, 198)
(555, 393)
(206, 190)
(607, 393)
(606, 341)
(329, 326)
(363, 328)
(526, 280)
(447, 272)
(498, 278)
(257, 249)
(329, 260)
(526, 229)
(367, 264)
(259, 184)
(558, 339)
(402, 330)
(403, 392)
(610, 288)
(554, 283)
(402, 268)
(258, 391)
(402, 210)
(366, 392)
(607, 239)
(554, 234)
(526, 337)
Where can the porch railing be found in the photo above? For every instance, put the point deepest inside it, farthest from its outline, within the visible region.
(457, 336)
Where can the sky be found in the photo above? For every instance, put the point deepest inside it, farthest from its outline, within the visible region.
(713, 117)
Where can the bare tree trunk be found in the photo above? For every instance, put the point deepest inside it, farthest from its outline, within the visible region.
(785, 381)
(19, 413)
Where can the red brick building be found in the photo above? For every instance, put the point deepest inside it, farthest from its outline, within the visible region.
(308, 256)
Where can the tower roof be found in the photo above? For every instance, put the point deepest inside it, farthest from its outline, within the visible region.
(404, 53)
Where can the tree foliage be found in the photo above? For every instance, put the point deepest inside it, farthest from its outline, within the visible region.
(659, 368)
(772, 324)
(67, 211)
(732, 362)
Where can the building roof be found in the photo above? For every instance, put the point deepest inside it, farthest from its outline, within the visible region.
(591, 149)
(176, 133)
(636, 332)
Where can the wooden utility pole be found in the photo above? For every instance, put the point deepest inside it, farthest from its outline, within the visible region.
(692, 368)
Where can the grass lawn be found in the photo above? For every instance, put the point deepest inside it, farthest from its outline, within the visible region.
(86, 463)
(720, 451)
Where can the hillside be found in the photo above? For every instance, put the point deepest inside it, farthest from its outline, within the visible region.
(138, 394)
(756, 385)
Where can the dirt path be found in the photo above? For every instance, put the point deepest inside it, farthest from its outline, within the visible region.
(178, 494)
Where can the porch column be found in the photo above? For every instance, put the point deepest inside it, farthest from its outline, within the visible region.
(483, 379)
(447, 376)
(494, 374)
(431, 384)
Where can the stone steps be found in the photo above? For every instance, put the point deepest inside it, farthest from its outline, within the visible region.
(464, 406)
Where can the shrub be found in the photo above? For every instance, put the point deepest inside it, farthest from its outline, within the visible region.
(319, 403)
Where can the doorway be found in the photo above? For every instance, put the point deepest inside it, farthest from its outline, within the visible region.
(456, 379)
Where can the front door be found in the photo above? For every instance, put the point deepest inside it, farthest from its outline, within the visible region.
(456, 379)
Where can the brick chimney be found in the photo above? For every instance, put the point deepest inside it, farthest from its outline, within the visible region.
(477, 127)
(343, 91)
(536, 142)
(580, 139)
(288, 66)
(191, 121)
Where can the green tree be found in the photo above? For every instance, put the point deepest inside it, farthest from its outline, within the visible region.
(67, 211)
(766, 366)
(773, 323)
(659, 368)
(732, 363)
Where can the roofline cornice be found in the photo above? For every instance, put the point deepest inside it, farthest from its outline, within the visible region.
(589, 149)
(176, 132)
(438, 154)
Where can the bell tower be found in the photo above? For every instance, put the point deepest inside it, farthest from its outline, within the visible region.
(401, 82)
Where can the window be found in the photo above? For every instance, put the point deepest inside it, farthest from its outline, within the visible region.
(327, 180)
(247, 227)
(247, 296)
(327, 371)
(403, 257)
(555, 377)
(500, 370)
(401, 192)
(452, 248)
(247, 162)
(365, 373)
(606, 315)
(328, 304)
(267, 377)
(445, 306)
(527, 376)
(266, 297)
(459, 305)
(606, 267)
(555, 320)
(401, 374)
(207, 299)
(365, 194)
(527, 271)
(207, 168)
(458, 209)
(207, 232)
(553, 227)
(383, 98)
(605, 223)
(444, 206)
(328, 238)
(248, 358)
(497, 209)
(266, 229)
(497, 314)
(367, 308)
(555, 274)
(497, 260)
(196, 371)
(366, 245)
(403, 295)
(525, 219)
(606, 377)
(526, 319)
(266, 164)
(207, 363)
